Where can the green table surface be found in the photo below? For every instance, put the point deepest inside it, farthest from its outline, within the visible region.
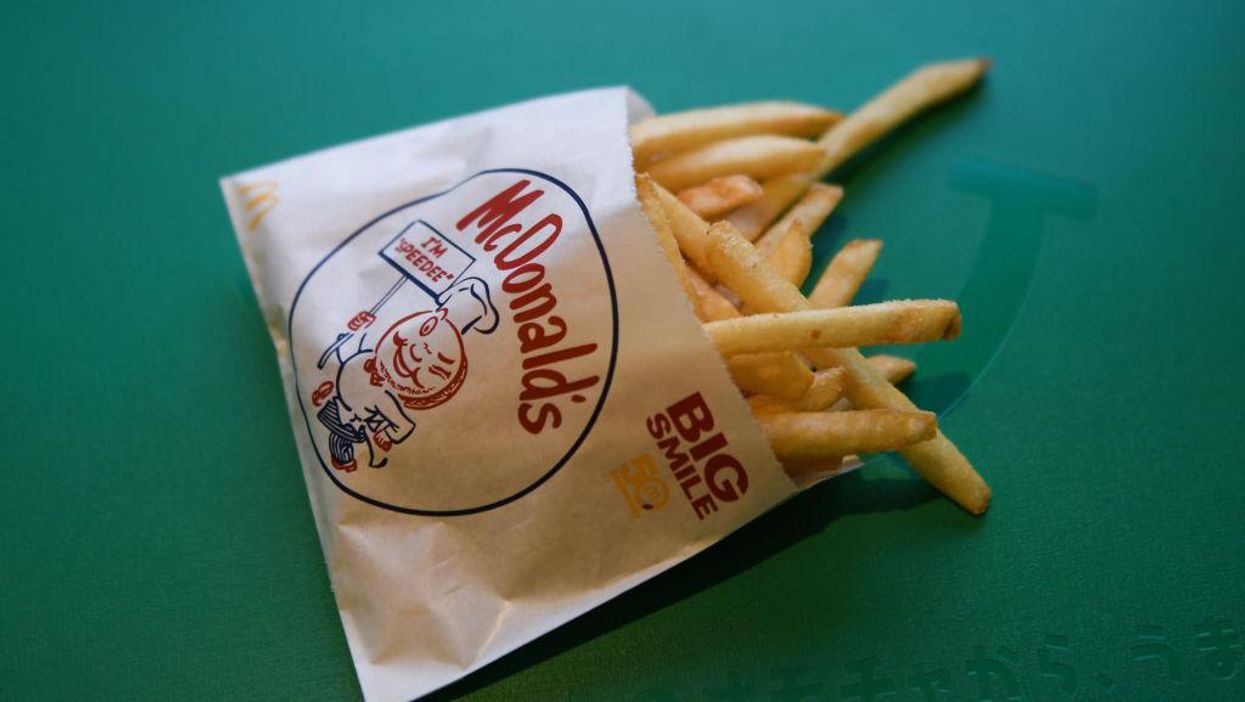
(1084, 206)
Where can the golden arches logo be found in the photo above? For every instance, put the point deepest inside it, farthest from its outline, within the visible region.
(261, 198)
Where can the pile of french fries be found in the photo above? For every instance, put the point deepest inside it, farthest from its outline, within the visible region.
(734, 194)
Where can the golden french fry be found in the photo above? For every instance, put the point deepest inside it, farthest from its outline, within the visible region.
(710, 304)
(787, 374)
(804, 217)
(745, 271)
(682, 131)
(792, 256)
(897, 322)
(788, 243)
(778, 374)
(721, 195)
(777, 194)
(923, 88)
(763, 156)
(688, 228)
(650, 202)
(841, 280)
(893, 368)
(826, 389)
(750, 276)
(768, 404)
(821, 434)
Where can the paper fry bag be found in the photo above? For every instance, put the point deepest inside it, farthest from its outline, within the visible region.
(505, 409)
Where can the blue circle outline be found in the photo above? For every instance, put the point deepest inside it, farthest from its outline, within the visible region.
(605, 387)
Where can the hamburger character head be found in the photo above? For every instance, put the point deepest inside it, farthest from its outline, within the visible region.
(421, 358)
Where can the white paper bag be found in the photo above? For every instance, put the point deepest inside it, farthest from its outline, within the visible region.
(505, 408)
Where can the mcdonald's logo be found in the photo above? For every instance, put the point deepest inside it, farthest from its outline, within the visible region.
(261, 198)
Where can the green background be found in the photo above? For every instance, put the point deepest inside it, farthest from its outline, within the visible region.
(1084, 206)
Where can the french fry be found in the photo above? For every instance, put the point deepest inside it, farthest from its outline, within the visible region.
(893, 368)
(781, 375)
(788, 243)
(769, 404)
(763, 156)
(689, 229)
(805, 217)
(650, 202)
(777, 194)
(841, 280)
(826, 389)
(899, 322)
(920, 90)
(720, 195)
(741, 267)
(710, 304)
(805, 435)
(683, 131)
(923, 88)
(792, 256)
(786, 375)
